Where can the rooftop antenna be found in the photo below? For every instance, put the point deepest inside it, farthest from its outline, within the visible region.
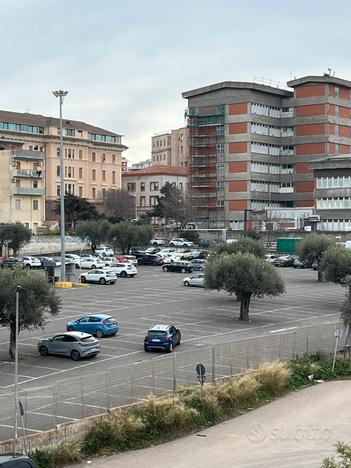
(329, 71)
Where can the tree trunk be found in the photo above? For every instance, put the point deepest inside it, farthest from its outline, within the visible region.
(320, 275)
(12, 340)
(244, 307)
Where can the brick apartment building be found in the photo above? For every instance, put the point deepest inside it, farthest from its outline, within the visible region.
(250, 145)
(30, 164)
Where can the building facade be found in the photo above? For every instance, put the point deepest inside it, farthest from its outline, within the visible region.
(333, 192)
(170, 148)
(141, 165)
(250, 145)
(145, 184)
(92, 155)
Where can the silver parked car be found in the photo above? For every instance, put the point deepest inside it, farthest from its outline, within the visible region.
(197, 279)
(77, 345)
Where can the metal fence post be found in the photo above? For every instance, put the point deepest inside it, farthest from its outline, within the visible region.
(82, 396)
(131, 380)
(174, 373)
(153, 376)
(55, 404)
(213, 364)
(307, 350)
(231, 358)
(108, 389)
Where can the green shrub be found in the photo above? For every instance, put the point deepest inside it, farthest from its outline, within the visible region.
(42, 459)
(343, 457)
(190, 235)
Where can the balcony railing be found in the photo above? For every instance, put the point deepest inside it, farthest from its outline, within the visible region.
(28, 191)
(27, 154)
(27, 173)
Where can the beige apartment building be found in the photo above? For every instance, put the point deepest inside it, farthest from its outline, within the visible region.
(145, 184)
(93, 159)
(170, 148)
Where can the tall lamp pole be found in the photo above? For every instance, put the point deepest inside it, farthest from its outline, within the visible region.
(61, 95)
(16, 370)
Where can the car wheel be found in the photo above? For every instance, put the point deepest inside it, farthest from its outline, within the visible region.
(165, 268)
(179, 341)
(186, 283)
(76, 265)
(99, 333)
(70, 329)
(93, 267)
(124, 274)
(183, 270)
(43, 350)
(83, 279)
(155, 244)
(102, 281)
(146, 349)
(170, 349)
(28, 266)
(75, 355)
(171, 244)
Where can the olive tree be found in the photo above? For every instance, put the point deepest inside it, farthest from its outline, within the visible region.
(94, 232)
(244, 244)
(245, 275)
(37, 298)
(16, 235)
(123, 236)
(312, 248)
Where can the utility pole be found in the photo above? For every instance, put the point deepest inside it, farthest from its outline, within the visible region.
(61, 95)
(16, 371)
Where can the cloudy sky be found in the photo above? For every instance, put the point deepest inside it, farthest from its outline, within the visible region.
(126, 63)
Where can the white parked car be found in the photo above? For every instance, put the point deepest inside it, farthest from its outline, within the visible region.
(31, 262)
(157, 241)
(167, 251)
(180, 242)
(123, 269)
(131, 259)
(104, 251)
(98, 276)
(73, 257)
(89, 263)
(197, 279)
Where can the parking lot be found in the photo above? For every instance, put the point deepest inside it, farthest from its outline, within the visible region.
(153, 296)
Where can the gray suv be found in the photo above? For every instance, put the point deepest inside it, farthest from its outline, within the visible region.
(77, 345)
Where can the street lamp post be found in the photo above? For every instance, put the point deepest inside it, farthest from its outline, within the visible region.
(16, 370)
(61, 95)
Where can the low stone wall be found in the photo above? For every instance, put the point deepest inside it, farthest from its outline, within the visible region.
(62, 434)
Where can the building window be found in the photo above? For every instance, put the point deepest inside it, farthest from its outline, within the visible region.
(94, 174)
(58, 151)
(80, 191)
(142, 201)
(154, 186)
(180, 186)
(103, 175)
(18, 204)
(113, 177)
(93, 192)
(70, 132)
(337, 130)
(69, 188)
(113, 158)
(35, 184)
(58, 191)
(80, 173)
(69, 172)
(93, 156)
(337, 111)
(80, 154)
(142, 186)
(336, 148)
(337, 91)
(18, 183)
(58, 172)
(103, 157)
(36, 205)
(152, 201)
(131, 187)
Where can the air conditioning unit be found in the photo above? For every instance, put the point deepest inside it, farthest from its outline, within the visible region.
(13, 163)
(13, 180)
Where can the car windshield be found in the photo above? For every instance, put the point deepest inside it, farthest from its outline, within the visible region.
(111, 320)
(157, 333)
(87, 339)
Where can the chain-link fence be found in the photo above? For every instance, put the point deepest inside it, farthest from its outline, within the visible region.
(76, 398)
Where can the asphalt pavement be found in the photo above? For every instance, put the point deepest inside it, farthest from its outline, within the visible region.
(296, 431)
(153, 296)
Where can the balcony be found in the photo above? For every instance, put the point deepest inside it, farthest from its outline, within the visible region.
(27, 173)
(26, 154)
(28, 191)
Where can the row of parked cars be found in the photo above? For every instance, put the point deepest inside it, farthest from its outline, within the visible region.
(289, 261)
(81, 339)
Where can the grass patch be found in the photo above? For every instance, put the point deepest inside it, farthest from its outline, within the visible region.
(156, 420)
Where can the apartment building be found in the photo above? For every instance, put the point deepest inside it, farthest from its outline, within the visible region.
(250, 145)
(92, 156)
(145, 184)
(332, 177)
(170, 148)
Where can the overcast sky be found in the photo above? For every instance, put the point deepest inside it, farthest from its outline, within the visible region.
(126, 63)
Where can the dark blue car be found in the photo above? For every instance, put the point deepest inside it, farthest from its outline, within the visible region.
(95, 324)
(162, 337)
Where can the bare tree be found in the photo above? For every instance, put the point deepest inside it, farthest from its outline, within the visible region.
(118, 203)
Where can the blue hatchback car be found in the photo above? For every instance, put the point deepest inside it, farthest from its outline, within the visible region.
(162, 337)
(95, 324)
